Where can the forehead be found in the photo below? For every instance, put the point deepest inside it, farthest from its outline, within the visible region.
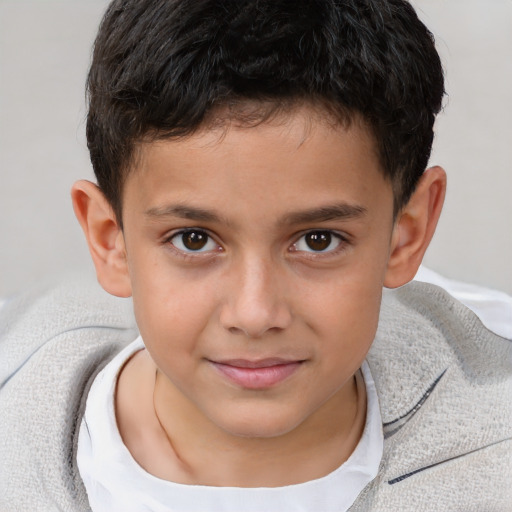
(293, 157)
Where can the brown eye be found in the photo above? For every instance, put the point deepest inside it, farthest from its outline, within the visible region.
(193, 241)
(318, 240)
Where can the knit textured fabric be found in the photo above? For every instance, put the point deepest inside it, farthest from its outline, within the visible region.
(53, 341)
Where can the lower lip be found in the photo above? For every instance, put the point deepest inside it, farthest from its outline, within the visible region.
(257, 378)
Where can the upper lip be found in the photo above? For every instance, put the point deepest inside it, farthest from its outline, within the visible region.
(259, 363)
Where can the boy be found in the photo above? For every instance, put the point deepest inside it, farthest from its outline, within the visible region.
(261, 178)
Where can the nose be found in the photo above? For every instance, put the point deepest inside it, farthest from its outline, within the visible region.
(256, 302)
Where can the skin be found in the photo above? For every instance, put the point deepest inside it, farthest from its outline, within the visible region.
(260, 288)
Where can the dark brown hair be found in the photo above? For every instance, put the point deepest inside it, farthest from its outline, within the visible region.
(161, 68)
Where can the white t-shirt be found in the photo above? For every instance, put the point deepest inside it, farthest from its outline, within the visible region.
(116, 483)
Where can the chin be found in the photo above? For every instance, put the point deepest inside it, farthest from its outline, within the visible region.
(259, 426)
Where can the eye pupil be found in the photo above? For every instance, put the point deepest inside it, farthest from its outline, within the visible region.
(194, 240)
(318, 240)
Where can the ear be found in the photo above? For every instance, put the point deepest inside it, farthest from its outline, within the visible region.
(414, 227)
(104, 237)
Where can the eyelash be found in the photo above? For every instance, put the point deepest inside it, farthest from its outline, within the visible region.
(191, 253)
(343, 243)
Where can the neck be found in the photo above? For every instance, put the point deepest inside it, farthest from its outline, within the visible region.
(208, 455)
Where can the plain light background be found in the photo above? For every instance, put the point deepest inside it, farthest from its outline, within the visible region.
(44, 55)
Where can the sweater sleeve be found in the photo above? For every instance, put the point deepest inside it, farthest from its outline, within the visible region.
(53, 341)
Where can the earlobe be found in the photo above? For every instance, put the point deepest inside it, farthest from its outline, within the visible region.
(104, 237)
(414, 228)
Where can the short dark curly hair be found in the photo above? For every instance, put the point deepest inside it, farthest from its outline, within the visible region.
(162, 68)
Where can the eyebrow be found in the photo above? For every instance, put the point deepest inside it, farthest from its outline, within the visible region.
(184, 212)
(341, 211)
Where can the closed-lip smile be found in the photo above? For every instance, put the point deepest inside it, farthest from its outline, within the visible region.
(257, 374)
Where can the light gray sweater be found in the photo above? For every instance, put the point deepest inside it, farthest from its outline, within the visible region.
(444, 384)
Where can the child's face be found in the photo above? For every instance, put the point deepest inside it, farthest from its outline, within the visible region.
(257, 259)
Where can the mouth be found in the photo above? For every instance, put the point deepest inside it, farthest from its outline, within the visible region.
(261, 374)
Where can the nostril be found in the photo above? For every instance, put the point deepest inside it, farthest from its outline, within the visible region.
(252, 334)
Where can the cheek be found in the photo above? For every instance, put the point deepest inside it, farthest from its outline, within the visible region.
(356, 316)
(172, 312)
(345, 314)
